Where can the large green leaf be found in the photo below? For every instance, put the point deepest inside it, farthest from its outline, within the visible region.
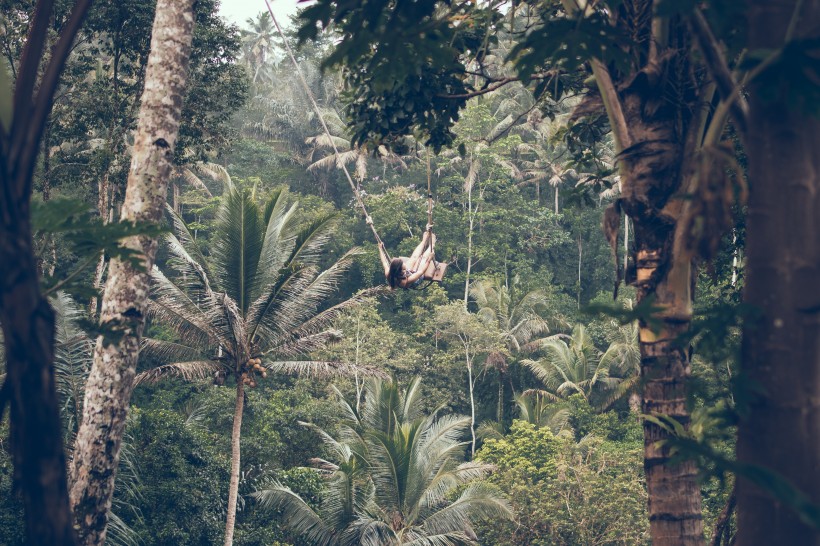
(237, 246)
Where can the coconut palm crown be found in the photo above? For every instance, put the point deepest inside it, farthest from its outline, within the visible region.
(258, 296)
(256, 305)
(394, 477)
(517, 317)
(579, 367)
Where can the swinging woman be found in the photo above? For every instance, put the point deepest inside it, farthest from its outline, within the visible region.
(408, 272)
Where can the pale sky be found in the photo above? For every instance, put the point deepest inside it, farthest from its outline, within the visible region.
(238, 11)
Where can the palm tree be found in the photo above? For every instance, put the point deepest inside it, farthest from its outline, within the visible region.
(257, 44)
(393, 478)
(518, 320)
(538, 408)
(623, 358)
(574, 367)
(348, 152)
(73, 351)
(253, 308)
(542, 167)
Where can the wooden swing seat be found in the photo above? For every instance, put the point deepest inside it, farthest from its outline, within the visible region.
(435, 271)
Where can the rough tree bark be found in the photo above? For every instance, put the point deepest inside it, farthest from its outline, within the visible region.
(110, 383)
(26, 317)
(658, 138)
(653, 168)
(780, 429)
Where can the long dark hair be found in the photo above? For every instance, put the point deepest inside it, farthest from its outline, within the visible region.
(394, 274)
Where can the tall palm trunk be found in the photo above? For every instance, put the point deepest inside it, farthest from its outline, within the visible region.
(110, 383)
(780, 429)
(653, 173)
(236, 435)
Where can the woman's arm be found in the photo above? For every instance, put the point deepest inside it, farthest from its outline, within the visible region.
(421, 267)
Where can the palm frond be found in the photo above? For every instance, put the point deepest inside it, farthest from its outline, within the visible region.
(237, 246)
(540, 392)
(311, 239)
(217, 173)
(490, 429)
(293, 256)
(322, 141)
(277, 243)
(459, 538)
(196, 370)
(322, 369)
(472, 174)
(476, 501)
(501, 127)
(198, 415)
(72, 356)
(290, 310)
(297, 514)
(306, 335)
(194, 181)
(624, 388)
(119, 533)
(173, 307)
(184, 247)
(168, 350)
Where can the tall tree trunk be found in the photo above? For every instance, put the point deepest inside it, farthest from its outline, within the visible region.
(722, 527)
(661, 144)
(36, 430)
(110, 383)
(176, 197)
(735, 259)
(780, 429)
(471, 386)
(499, 414)
(236, 435)
(626, 242)
(50, 245)
(674, 494)
(580, 262)
(26, 317)
(470, 227)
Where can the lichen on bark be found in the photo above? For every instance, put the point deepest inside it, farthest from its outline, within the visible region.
(122, 315)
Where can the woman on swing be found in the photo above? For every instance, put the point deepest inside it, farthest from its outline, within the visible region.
(408, 272)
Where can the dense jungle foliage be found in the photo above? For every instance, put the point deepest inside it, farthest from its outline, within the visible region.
(501, 406)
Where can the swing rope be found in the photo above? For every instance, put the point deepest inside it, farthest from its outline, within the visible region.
(429, 201)
(309, 94)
